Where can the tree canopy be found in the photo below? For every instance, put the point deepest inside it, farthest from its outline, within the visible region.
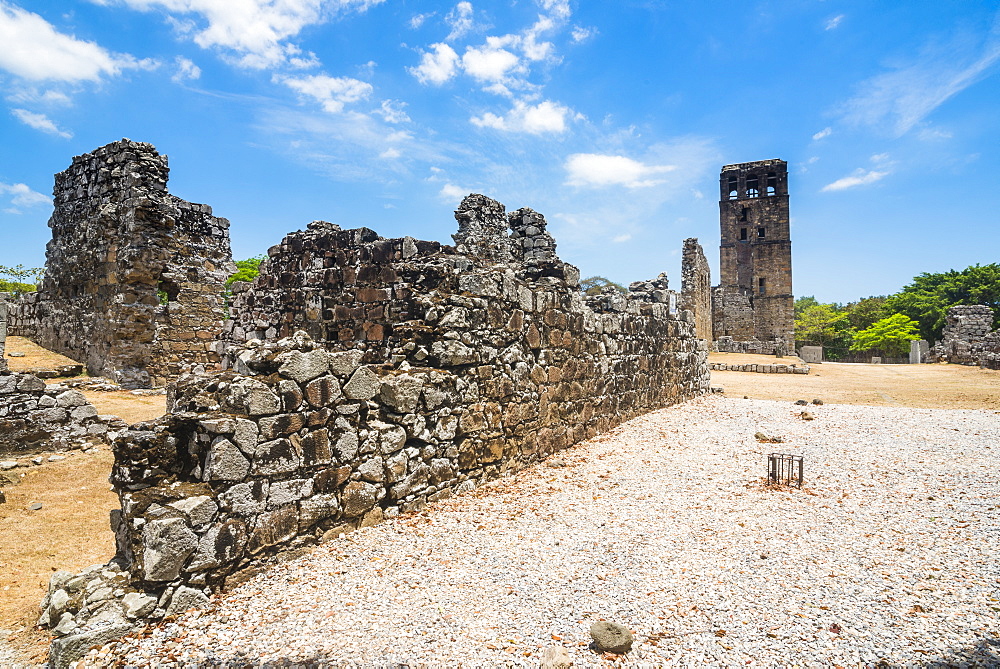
(822, 324)
(595, 285)
(246, 270)
(928, 298)
(24, 279)
(890, 336)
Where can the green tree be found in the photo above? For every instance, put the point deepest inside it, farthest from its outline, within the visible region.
(928, 298)
(866, 311)
(803, 303)
(823, 325)
(25, 279)
(889, 336)
(246, 270)
(595, 285)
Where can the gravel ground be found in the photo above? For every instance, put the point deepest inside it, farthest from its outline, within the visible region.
(888, 553)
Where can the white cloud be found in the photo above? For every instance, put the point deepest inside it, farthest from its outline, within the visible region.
(460, 21)
(390, 154)
(902, 98)
(331, 92)
(861, 177)
(833, 22)
(437, 66)
(501, 63)
(34, 50)
(880, 158)
(34, 96)
(451, 192)
(256, 30)
(488, 63)
(417, 20)
(591, 169)
(392, 112)
(558, 8)
(621, 238)
(186, 69)
(933, 134)
(40, 122)
(545, 117)
(825, 132)
(582, 34)
(22, 196)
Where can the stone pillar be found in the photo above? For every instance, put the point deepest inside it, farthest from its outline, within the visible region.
(696, 287)
(918, 351)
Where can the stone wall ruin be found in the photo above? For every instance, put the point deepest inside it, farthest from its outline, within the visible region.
(696, 287)
(134, 276)
(360, 377)
(366, 377)
(968, 337)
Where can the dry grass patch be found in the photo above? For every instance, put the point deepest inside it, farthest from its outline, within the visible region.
(71, 531)
(936, 386)
(35, 357)
(130, 408)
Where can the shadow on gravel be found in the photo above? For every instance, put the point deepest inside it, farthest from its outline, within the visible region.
(986, 653)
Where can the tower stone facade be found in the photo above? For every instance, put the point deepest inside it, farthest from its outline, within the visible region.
(753, 307)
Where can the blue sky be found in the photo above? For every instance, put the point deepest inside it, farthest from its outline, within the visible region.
(611, 119)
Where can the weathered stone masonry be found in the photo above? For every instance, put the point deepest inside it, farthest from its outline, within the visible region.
(968, 337)
(426, 371)
(120, 245)
(753, 306)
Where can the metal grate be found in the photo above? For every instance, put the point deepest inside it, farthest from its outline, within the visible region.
(784, 469)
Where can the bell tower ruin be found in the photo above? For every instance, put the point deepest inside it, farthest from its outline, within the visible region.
(753, 307)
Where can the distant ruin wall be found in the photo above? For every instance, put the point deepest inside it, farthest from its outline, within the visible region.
(134, 277)
(34, 418)
(696, 287)
(426, 371)
(968, 337)
(3, 331)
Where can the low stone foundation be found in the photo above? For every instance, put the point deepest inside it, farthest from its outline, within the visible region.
(762, 369)
(35, 419)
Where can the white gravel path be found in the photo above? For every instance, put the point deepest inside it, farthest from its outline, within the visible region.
(888, 553)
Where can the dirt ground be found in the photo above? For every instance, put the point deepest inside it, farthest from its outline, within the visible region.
(130, 408)
(937, 386)
(72, 529)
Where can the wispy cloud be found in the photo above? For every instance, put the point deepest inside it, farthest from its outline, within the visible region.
(257, 32)
(392, 111)
(452, 193)
(825, 132)
(546, 117)
(40, 122)
(591, 169)
(21, 196)
(186, 70)
(833, 22)
(861, 177)
(331, 92)
(418, 20)
(901, 99)
(461, 21)
(35, 51)
(582, 34)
